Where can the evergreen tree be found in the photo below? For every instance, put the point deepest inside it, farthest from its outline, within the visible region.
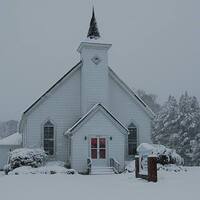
(196, 150)
(188, 126)
(165, 123)
(150, 100)
(177, 125)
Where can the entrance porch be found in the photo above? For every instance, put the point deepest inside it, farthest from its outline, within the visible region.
(97, 141)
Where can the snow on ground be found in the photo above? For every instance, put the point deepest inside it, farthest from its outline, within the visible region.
(14, 139)
(171, 185)
(41, 170)
(2, 173)
(56, 167)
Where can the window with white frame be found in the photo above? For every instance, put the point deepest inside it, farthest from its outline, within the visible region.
(132, 139)
(49, 138)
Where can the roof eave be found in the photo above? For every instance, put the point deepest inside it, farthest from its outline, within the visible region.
(90, 44)
(44, 95)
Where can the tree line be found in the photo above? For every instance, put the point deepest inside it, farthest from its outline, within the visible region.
(177, 124)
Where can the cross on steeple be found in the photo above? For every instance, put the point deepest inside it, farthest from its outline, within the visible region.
(93, 32)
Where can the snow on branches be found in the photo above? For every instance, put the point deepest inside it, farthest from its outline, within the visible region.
(25, 157)
(177, 125)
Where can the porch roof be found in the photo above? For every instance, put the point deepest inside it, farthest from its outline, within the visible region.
(94, 109)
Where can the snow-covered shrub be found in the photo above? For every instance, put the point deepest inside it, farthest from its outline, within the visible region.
(171, 168)
(164, 154)
(25, 157)
(130, 166)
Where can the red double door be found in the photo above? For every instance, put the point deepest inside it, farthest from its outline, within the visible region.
(98, 150)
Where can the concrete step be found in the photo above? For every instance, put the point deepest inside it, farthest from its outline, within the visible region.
(102, 170)
(102, 173)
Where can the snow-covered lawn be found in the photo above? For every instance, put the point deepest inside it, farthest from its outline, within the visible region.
(171, 185)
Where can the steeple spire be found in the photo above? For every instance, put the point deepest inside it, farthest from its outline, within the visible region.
(93, 32)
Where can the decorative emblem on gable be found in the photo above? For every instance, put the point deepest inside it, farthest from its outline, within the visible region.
(96, 60)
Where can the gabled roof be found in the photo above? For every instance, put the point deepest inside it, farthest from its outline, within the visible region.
(144, 106)
(46, 93)
(94, 109)
(67, 74)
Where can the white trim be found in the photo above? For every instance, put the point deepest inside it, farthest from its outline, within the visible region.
(107, 147)
(55, 135)
(24, 134)
(137, 139)
(93, 45)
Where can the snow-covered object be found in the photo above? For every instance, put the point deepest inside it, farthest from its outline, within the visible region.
(130, 166)
(26, 157)
(14, 139)
(146, 149)
(53, 169)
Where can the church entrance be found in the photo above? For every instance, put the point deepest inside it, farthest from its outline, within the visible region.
(98, 150)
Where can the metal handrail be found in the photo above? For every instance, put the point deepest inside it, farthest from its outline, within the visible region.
(89, 165)
(115, 164)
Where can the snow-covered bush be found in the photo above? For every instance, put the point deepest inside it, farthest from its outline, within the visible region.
(130, 166)
(164, 154)
(25, 157)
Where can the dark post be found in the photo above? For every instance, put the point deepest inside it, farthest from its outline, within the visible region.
(137, 166)
(152, 168)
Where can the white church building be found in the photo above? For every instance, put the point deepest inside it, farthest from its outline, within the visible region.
(89, 116)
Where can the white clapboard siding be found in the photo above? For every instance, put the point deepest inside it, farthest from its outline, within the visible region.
(62, 107)
(128, 110)
(4, 151)
(94, 77)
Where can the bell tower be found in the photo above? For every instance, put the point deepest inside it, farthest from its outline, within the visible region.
(94, 71)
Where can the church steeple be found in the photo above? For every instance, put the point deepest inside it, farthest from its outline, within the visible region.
(93, 32)
(94, 69)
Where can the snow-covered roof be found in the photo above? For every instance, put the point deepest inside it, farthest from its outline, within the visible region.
(93, 109)
(14, 139)
(93, 43)
(96, 41)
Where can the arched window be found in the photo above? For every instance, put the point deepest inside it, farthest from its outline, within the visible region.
(49, 138)
(132, 139)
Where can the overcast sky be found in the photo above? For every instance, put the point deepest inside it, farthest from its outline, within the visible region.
(156, 45)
